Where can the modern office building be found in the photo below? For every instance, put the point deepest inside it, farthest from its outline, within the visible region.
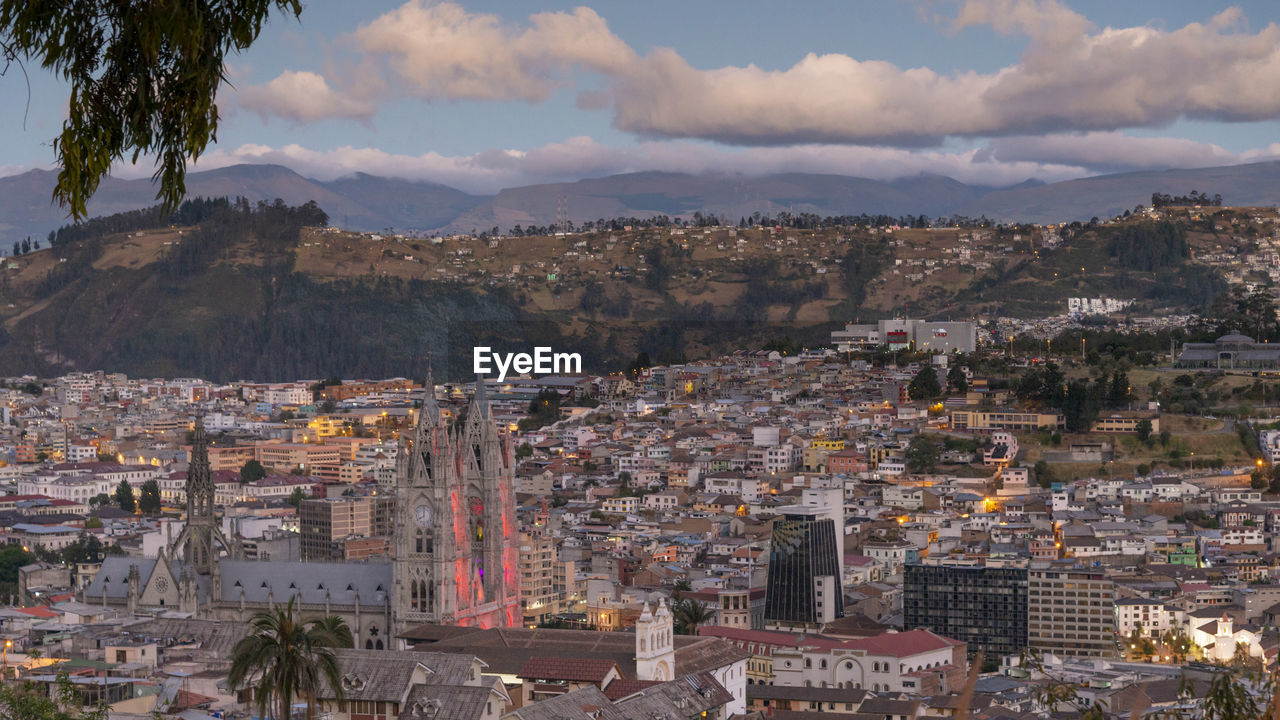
(804, 591)
(1071, 610)
(981, 605)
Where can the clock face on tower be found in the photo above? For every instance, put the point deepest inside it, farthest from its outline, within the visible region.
(423, 515)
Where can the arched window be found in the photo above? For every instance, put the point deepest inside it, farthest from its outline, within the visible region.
(642, 647)
(413, 595)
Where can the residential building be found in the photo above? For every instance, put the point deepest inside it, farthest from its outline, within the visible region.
(1071, 610)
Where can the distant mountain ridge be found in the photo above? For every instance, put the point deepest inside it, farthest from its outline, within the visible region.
(369, 202)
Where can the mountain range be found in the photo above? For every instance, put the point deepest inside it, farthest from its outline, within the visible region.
(369, 202)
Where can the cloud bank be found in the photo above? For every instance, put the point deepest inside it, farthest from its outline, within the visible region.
(1073, 77)
(1004, 162)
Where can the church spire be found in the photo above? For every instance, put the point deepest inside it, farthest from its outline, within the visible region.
(430, 411)
(479, 401)
(199, 539)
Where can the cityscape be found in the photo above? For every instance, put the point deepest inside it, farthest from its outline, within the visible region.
(473, 361)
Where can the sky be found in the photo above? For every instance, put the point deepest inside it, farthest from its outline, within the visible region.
(484, 94)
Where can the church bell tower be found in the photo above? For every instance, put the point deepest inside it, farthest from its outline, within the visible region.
(455, 547)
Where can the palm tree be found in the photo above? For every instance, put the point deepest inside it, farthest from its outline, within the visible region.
(283, 658)
(689, 614)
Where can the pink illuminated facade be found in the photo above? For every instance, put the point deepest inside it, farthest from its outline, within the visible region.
(456, 542)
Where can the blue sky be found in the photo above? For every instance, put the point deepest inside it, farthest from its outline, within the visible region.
(486, 94)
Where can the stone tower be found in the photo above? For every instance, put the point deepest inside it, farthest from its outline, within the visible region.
(655, 644)
(456, 548)
(199, 541)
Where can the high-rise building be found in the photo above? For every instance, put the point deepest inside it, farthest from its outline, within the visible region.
(538, 597)
(1071, 610)
(456, 550)
(983, 606)
(804, 590)
(326, 524)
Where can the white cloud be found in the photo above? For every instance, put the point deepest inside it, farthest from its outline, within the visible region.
(441, 51)
(1046, 20)
(302, 97)
(1068, 79)
(1073, 77)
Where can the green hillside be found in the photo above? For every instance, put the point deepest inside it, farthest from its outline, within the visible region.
(226, 289)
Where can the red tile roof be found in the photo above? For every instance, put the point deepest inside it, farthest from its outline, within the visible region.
(572, 669)
(623, 687)
(40, 611)
(903, 644)
(740, 636)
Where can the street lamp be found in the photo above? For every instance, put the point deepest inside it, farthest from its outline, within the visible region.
(4, 667)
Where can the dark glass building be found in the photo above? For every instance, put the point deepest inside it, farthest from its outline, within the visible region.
(804, 591)
(985, 607)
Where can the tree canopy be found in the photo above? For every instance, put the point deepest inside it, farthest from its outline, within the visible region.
(925, 384)
(124, 496)
(143, 79)
(922, 454)
(149, 500)
(284, 658)
(252, 471)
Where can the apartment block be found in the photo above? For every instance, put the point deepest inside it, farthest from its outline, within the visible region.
(326, 524)
(1071, 611)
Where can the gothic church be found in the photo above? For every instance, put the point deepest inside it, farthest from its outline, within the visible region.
(454, 553)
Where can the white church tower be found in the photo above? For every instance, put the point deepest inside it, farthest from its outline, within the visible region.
(1224, 643)
(655, 645)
